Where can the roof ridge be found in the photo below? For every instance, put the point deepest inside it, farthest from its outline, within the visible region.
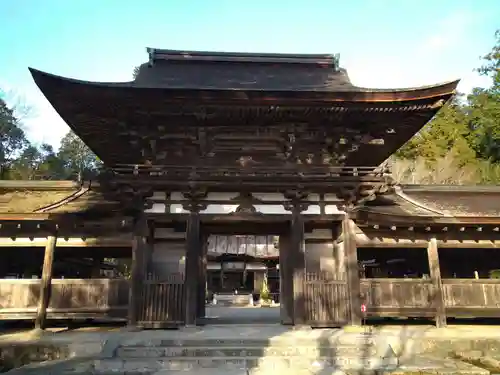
(242, 57)
(85, 187)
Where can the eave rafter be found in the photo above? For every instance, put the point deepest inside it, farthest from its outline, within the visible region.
(452, 227)
(39, 225)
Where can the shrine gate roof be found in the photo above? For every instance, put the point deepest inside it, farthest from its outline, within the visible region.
(189, 109)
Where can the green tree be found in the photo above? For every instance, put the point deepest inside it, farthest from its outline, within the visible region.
(12, 139)
(447, 132)
(264, 289)
(78, 160)
(464, 135)
(135, 73)
(484, 108)
(37, 163)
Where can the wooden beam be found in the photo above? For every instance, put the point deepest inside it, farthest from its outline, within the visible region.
(46, 284)
(435, 273)
(353, 281)
(139, 244)
(192, 273)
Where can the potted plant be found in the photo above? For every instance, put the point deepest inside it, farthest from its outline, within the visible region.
(494, 274)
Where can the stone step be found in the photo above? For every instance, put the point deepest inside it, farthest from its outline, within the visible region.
(233, 300)
(252, 342)
(103, 366)
(247, 351)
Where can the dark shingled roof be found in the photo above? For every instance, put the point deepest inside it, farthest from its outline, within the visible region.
(423, 201)
(212, 70)
(432, 203)
(458, 200)
(178, 91)
(245, 71)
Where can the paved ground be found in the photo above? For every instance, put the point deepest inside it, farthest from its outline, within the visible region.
(238, 323)
(242, 315)
(406, 342)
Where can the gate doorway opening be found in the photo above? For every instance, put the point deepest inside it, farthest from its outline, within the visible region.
(242, 279)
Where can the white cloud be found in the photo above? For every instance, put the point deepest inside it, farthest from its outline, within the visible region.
(428, 62)
(448, 31)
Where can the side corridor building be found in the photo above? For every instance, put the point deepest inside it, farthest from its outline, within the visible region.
(221, 167)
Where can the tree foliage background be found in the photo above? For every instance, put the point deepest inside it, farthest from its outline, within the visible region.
(22, 160)
(461, 145)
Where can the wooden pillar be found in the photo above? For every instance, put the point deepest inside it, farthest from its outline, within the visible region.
(297, 255)
(437, 285)
(148, 253)
(221, 277)
(96, 267)
(139, 246)
(286, 280)
(351, 260)
(202, 284)
(192, 274)
(46, 282)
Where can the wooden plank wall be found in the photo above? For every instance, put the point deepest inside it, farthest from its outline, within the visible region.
(472, 297)
(397, 297)
(414, 297)
(70, 298)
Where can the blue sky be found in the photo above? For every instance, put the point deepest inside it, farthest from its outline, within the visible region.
(382, 43)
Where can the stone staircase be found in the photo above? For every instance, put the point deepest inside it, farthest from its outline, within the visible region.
(248, 356)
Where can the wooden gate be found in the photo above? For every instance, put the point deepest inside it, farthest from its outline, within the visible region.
(325, 284)
(162, 303)
(326, 300)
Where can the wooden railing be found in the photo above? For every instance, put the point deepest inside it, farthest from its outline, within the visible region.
(397, 297)
(326, 299)
(70, 298)
(472, 297)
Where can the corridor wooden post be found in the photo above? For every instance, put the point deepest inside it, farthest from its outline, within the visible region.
(297, 247)
(46, 282)
(139, 245)
(148, 254)
(202, 281)
(96, 267)
(353, 281)
(286, 280)
(192, 273)
(437, 284)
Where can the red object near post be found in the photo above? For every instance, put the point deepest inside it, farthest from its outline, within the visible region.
(363, 308)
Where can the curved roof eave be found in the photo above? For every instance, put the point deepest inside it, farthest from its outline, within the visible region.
(359, 95)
